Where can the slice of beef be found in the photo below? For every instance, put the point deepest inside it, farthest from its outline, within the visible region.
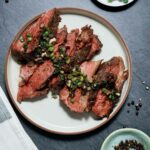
(26, 71)
(49, 19)
(85, 37)
(37, 82)
(27, 92)
(113, 74)
(89, 68)
(80, 101)
(81, 55)
(103, 106)
(113, 69)
(96, 47)
(60, 39)
(71, 42)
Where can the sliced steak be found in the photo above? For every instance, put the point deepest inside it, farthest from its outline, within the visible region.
(96, 47)
(37, 82)
(89, 68)
(71, 42)
(103, 106)
(80, 101)
(85, 37)
(113, 69)
(111, 73)
(26, 71)
(19, 48)
(60, 39)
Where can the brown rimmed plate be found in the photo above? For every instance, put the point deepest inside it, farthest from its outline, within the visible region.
(48, 113)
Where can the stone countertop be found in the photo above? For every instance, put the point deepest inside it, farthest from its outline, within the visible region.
(133, 23)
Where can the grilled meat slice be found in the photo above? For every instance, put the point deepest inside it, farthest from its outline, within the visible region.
(111, 73)
(60, 39)
(26, 72)
(96, 47)
(71, 42)
(23, 51)
(85, 37)
(27, 92)
(80, 101)
(103, 106)
(89, 68)
(36, 83)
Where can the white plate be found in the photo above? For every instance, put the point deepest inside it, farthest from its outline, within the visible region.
(48, 113)
(115, 3)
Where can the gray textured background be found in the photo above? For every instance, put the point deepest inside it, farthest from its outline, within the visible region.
(133, 23)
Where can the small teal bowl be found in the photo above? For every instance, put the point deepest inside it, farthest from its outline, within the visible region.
(126, 134)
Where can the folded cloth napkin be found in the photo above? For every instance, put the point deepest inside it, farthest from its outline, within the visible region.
(12, 134)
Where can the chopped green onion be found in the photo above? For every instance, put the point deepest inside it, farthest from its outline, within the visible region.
(68, 83)
(29, 39)
(25, 46)
(96, 86)
(51, 49)
(52, 54)
(74, 78)
(81, 78)
(21, 39)
(62, 49)
(118, 94)
(45, 34)
(61, 55)
(70, 76)
(79, 84)
(62, 77)
(112, 97)
(62, 72)
(29, 35)
(72, 100)
(68, 61)
(88, 88)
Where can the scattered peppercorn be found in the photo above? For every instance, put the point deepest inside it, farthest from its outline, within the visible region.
(128, 104)
(140, 104)
(137, 113)
(132, 102)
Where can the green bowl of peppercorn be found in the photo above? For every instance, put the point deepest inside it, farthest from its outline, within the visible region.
(127, 139)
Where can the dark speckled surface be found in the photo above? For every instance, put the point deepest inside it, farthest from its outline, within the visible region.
(133, 23)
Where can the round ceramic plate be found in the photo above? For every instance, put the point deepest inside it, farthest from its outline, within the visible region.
(114, 3)
(50, 114)
(126, 134)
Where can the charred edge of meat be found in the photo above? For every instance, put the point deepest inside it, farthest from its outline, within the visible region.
(91, 100)
(55, 21)
(38, 95)
(22, 57)
(81, 55)
(57, 87)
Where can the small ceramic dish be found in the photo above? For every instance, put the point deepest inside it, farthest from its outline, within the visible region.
(126, 134)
